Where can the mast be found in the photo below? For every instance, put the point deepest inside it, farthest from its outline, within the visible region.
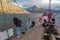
(49, 5)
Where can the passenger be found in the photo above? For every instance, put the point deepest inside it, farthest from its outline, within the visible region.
(32, 24)
(17, 22)
(51, 26)
(45, 24)
(45, 17)
(48, 21)
(49, 15)
(45, 21)
(53, 20)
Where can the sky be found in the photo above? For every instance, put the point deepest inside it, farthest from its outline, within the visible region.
(39, 3)
(52, 1)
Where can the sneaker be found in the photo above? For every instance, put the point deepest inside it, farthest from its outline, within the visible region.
(18, 36)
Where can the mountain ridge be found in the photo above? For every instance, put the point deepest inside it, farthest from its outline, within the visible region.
(34, 9)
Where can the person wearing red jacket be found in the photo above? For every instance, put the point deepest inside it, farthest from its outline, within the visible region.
(49, 15)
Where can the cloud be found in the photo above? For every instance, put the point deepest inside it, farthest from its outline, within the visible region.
(57, 0)
(29, 3)
(24, 3)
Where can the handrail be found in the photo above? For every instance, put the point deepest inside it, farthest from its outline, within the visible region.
(7, 27)
(10, 26)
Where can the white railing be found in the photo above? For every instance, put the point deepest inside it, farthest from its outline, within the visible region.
(6, 32)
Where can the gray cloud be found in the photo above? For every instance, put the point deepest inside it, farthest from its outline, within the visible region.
(29, 3)
(24, 3)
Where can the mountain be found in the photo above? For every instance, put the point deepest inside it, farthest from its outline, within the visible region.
(34, 9)
(54, 11)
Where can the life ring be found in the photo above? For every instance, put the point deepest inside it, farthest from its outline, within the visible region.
(40, 20)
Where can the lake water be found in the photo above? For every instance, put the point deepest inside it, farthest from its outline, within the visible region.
(9, 18)
(57, 17)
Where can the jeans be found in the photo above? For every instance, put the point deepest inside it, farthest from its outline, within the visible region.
(18, 31)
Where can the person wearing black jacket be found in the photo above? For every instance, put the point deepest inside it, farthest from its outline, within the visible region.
(45, 24)
(32, 24)
(53, 20)
(18, 23)
(51, 27)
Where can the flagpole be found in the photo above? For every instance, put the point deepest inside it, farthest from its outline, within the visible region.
(49, 5)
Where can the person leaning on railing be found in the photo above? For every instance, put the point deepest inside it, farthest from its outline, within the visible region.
(32, 24)
(17, 22)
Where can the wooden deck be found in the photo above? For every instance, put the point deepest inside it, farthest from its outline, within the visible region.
(35, 34)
